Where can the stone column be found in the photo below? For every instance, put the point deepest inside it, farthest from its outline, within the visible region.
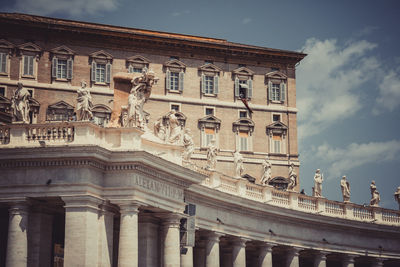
(171, 240)
(199, 254)
(226, 256)
(265, 256)
(212, 249)
(239, 253)
(40, 238)
(187, 259)
(128, 236)
(17, 243)
(81, 247)
(320, 259)
(348, 261)
(148, 240)
(293, 257)
(106, 234)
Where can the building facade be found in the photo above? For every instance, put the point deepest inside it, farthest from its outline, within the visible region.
(111, 192)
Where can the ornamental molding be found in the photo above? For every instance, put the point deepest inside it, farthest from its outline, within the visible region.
(63, 50)
(276, 75)
(209, 121)
(101, 55)
(243, 124)
(243, 71)
(210, 68)
(276, 127)
(30, 47)
(4, 44)
(138, 60)
(175, 64)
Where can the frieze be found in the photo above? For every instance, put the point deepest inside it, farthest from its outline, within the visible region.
(52, 163)
(158, 187)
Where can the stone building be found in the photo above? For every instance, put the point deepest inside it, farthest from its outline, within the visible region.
(113, 190)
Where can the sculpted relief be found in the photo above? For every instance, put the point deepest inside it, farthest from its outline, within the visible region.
(20, 104)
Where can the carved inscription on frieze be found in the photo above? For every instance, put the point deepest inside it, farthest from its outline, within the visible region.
(158, 187)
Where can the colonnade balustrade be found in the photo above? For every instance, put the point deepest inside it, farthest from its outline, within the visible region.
(146, 239)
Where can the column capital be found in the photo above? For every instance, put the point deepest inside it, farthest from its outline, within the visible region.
(294, 251)
(127, 206)
(240, 242)
(171, 219)
(213, 236)
(349, 258)
(81, 201)
(266, 246)
(321, 254)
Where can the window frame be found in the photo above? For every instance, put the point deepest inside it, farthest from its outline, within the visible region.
(209, 74)
(65, 54)
(274, 129)
(177, 67)
(209, 122)
(34, 52)
(240, 127)
(137, 62)
(211, 108)
(7, 48)
(274, 79)
(101, 58)
(243, 75)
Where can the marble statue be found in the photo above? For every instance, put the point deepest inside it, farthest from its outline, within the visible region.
(292, 178)
(212, 155)
(175, 130)
(267, 172)
(397, 196)
(85, 104)
(375, 196)
(140, 92)
(188, 145)
(345, 186)
(318, 179)
(238, 162)
(20, 104)
(159, 129)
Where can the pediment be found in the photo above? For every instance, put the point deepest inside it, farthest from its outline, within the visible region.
(276, 75)
(277, 125)
(138, 59)
(244, 121)
(33, 102)
(243, 71)
(209, 68)
(31, 47)
(174, 63)
(6, 44)
(101, 55)
(63, 50)
(60, 105)
(101, 108)
(210, 119)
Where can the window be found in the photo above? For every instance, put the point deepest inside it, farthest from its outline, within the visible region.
(209, 79)
(209, 128)
(242, 114)
(209, 111)
(3, 63)
(276, 86)
(209, 135)
(243, 141)
(101, 67)
(243, 129)
(28, 66)
(137, 63)
(276, 117)
(174, 81)
(277, 140)
(175, 107)
(243, 82)
(101, 114)
(175, 72)
(60, 111)
(62, 63)
(2, 91)
(135, 70)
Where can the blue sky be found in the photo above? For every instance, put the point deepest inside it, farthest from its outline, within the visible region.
(348, 87)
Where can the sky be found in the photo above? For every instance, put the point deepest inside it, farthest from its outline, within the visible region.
(348, 87)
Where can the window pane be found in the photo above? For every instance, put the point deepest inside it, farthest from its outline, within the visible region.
(243, 143)
(100, 73)
(62, 69)
(3, 62)
(28, 65)
(277, 146)
(137, 70)
(174, 80)
(209, 86)
(276, 92)
(209, 111)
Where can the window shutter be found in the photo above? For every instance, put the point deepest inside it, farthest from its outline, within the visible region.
(54, 68)
(250, 89)
(203, 83)
(93, 76)
(270, 90)
(216, 78)
(3, 66)
(25, 64)
(168, 80)
(108, 73)
(283, 91)
(130, 69)
(70, 68)
(236, 87)
(30, 65)
(181, 74)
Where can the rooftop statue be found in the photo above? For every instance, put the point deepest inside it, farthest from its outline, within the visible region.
(318, 179)
(20, 104)
(175, 130)
(85, 104)
(375, 196)
(238, 162)
(212, 155)
(188, 145)
(267, 171)
(345, 186)
(140, 92)
(292, 178)
(397, 195)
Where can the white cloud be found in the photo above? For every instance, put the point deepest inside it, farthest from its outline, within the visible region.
(341, 160)
(246, 20)
(71, 7)
(389, 93)
(179, 13)
(328, 80)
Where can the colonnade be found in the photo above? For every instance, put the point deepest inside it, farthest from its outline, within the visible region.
(89, 232)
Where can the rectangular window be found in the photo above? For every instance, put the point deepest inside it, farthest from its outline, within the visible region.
(209, 84)
(276, 117)
(3, 63)
(2, 91)
(28, 66)
(242, 114)
(100, 73)
(209, 135)
(174, 107)
(132, 69)
(61, 69)
(277, 140)
(243, 139)
(209, 111)
(276, 92)
(174, 81)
